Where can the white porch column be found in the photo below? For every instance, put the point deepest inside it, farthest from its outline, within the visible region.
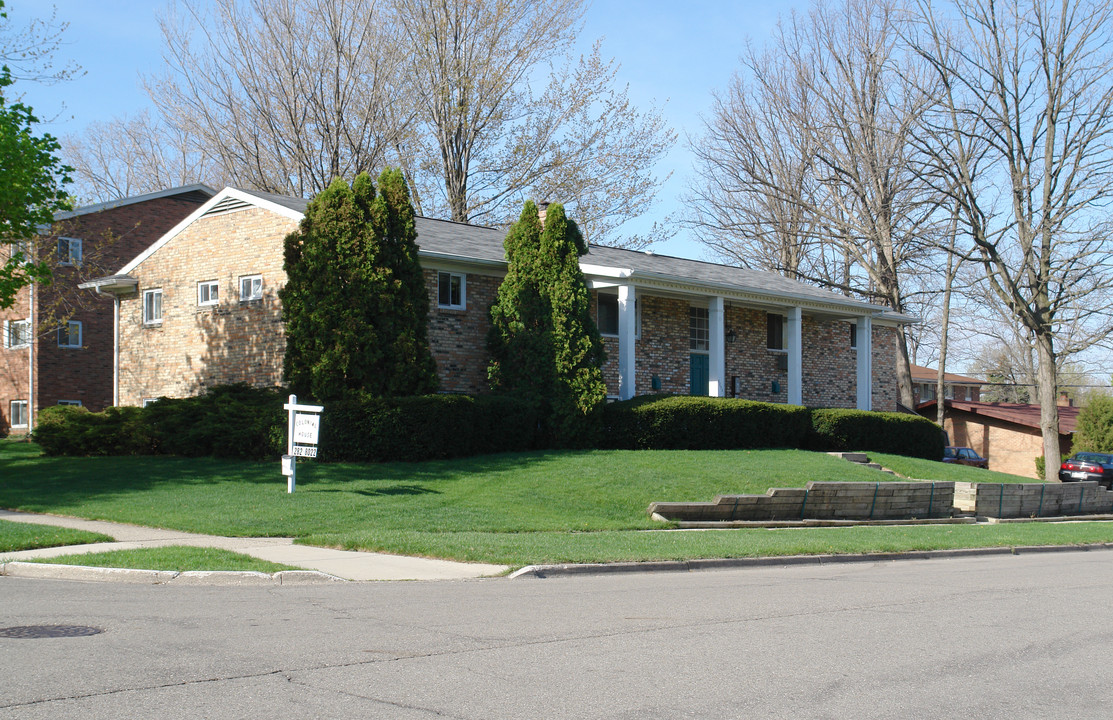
(864, 337)
(626, 326)
(793, 323)
(717, 362)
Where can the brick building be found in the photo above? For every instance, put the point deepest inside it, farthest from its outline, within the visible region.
(57, 340)
(200, 307)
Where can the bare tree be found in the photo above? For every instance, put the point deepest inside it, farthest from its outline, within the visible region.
(130, 156)
(1033, 82)
(845, 103)
(284, 95)
(493, 141)
(29, 51)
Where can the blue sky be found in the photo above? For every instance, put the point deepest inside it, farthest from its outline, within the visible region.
(673, 54)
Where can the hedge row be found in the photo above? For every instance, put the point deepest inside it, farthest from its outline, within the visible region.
(239, 421)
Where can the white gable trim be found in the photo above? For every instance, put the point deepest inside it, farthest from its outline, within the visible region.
(192, 217)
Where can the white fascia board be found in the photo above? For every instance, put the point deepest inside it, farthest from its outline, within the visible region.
(109, 205)
(193, 216)
(850, 308)
(605, 271)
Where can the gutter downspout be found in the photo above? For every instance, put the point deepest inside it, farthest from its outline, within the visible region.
(31, 362)
(115, 351)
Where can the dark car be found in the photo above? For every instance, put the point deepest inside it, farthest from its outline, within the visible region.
(1088, 466)
(964, 456)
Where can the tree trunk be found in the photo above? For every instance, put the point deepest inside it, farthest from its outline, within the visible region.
(1047, 381)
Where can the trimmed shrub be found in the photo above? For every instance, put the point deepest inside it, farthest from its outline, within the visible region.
(426, 427)
(1094, 431)
(666, 422)
(859, 430)
(228, 421)
(69, 430)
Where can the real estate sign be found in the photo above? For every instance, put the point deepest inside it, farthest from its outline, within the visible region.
(302, 431)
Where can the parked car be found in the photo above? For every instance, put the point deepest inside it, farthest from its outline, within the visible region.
(1088, 466)
(964, 456)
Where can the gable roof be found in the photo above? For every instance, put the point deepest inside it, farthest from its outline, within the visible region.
(1024, 414)
(926, 374)
(197, 192)
(475, 244)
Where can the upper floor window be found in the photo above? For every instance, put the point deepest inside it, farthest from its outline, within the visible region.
(69, 335)
(451, 290)
(775, 332)
(208, 292)
(251, 287)
(71, 403)
(69, 251)
(21, 251)
(152, 307)
(699, 329)
(17, 333)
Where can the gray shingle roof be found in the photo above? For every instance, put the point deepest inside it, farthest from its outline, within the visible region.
(484, 244)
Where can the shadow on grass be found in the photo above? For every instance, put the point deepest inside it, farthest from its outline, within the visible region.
(42, 483)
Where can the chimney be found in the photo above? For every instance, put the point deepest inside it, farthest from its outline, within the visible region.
(1065, 400)
(542, 209)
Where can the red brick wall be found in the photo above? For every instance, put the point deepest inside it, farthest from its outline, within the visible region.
(110, 238)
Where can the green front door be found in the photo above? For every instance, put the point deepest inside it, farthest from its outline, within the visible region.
(700, 372)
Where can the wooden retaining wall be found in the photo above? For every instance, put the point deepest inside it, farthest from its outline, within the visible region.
(1004, 500)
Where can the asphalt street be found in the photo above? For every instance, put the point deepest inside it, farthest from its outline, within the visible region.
(988, 637)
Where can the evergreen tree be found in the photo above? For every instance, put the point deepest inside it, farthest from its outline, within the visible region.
(544, 345)
(1094, 431)
(355, 303)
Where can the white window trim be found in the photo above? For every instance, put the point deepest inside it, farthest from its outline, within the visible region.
(148, 293)
(784, 338)
(211, 284)
(71, 243)
(70, 335)
(463, 290)
(11, 413)
(8, 329)
(147, 401)
(253, 296)
(637, 316)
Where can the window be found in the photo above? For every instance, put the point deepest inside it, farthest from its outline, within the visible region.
(18, 414)
(699, 329)
(854, 336)
(17, 333)
(22, 249)
(251, 287)
(72, 403)
(450, 290)
(69, 251)
(608, 316)
(208, 292)
(69, 335)
(152, 307)
(775, 332)
(148, 401)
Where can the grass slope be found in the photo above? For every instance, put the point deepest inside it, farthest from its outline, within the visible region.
(26, 536)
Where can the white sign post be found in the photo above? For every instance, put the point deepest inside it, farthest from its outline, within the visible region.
(302, 429)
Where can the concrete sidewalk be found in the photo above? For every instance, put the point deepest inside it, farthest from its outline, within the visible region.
(346, 564)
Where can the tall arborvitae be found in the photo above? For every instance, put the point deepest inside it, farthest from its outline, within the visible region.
(354, 303)
(543, 343)
(579, 392)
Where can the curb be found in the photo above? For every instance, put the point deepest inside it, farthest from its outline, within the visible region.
(545, 571)
(84, 573)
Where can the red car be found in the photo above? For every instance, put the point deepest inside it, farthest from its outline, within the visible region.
(964, 456)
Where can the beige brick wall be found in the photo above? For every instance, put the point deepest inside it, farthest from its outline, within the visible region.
(199, 346)
(1011, 448)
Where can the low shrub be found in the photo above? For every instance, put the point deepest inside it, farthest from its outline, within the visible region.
(73, 430)
(859, 430)
(228, 421)
(666, 422)
(367, 429)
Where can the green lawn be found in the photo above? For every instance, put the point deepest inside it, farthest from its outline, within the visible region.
(26, 536)
(514, 509)
(932, 470)
(178, 558)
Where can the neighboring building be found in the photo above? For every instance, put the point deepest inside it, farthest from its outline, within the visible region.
(955, 387)
(1006, 433)
(57, 345)
(200, 307)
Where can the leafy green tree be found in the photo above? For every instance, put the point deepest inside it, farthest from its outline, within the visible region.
(1094, 431)
(32, 179)
(355, 304)
(543, 343)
